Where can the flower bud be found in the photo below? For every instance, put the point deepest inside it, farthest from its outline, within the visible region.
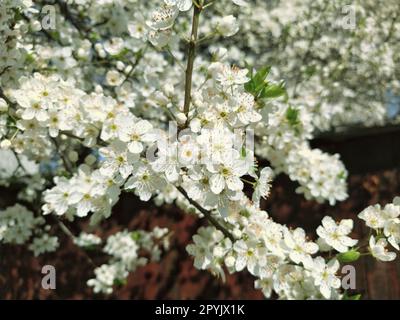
(3, 105)
(73, 156)
(120, 65)
(181, 118)
(5, 144)
(168, 90)
(36, 26)
(230, 261)
(227, 26)
(90, 159)
(237, 233)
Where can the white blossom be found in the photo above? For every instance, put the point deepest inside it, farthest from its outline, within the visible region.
(336, 234)
(379, 251)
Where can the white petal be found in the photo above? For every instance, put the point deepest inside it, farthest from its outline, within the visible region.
(234, 183)
(217, 183)
(184, 5)
(241, 3)
(135, 147)
(240, 263)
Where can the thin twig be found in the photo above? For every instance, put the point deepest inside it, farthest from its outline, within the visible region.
(71, 135)
(64, 159)
(392, 26)
(175, 58)
(190, 61)
(6, 99)
(68, 232)
(18, 162)
(139, 57)
(207, 214)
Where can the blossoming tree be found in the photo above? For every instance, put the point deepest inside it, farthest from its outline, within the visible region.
(157, 98)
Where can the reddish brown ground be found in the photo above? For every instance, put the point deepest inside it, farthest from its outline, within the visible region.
(175, 277)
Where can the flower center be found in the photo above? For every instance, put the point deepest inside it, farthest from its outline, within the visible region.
(225, 171)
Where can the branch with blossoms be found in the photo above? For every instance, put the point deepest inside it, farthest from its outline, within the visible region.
(112, 136)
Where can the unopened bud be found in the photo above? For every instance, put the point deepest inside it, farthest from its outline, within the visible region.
(73, 156)
(181, 118)
(36, 26)
(237, 233)
(3, 105)
(5, 144)
(230, 261)
(120, 65)
(90, 159)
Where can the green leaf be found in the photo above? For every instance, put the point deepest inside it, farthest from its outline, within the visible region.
(349, 256)
(90, 247)
(257, 81)
(310, 70)
(121, 55)
(243, 152)
(342, 175)
(249, 87)
(273, 91)
(135, 235)
(244, 213)
(353, 297)
(120, 282)
(94, 36)
(29, 58)
(261, 75)
(17, 14)
(292, 116)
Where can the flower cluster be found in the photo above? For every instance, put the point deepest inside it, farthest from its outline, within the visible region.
(386, 224)
(208, 160)
(12, 55)
(321, 176)
(18, 225)
(125, 249)
(162, 22)
(85, 192)
(115, 105)
(281, 259)
(324, 49)
(284, 260)
(44, 243)
(87, 240)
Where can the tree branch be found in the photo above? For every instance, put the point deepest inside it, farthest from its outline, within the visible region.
(64, 159)
(190, 61)
(6, 99)
(68, 232)
(207, 214)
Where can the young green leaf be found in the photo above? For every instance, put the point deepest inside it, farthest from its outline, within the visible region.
(353, 297)
(292, 116)
(135, 235)
(261, 75)
(349, 256)
(273, 91)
